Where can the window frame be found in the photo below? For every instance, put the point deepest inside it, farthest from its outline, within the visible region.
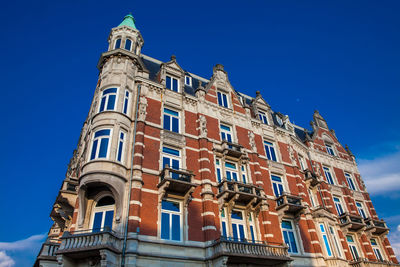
(326, 170)
(103, 210)
(170, 156)
(353, 247)
(126, 105)
(223, 99)
(171, 116)
(107, 99)
(361, 210)
(376, 248)
(333, 235)
(262, 116)
(294, 231)
(303, 164)
(325, 238)
(281, 182)
(226, 132)
(172, 78)
(98, 144)
(271, 148)
(351, 184)
(190, 79)
(340, 203)
(170, 212)
(126, 40)
(121, 149)
(116, 42)
(330, 149)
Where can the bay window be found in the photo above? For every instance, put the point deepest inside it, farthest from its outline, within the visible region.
(108, 99)
(100, 144)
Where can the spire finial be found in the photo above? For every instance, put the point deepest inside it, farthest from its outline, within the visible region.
(129, 21)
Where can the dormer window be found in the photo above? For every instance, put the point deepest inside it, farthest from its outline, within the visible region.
(128, 44)
(223, 99)
(117, 43)
(329, 149)
(171, 83)
(263, 117)
(188, 80)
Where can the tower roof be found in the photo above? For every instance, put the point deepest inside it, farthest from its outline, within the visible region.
(128, 21)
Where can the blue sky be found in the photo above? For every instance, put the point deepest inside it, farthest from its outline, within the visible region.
(340, 57)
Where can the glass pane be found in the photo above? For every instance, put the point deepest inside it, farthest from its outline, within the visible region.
(128, 44)
(94, 149)
(241, 232)
(126, 106)
(229, 138)
(273, 154)
(118, 43)
(234, 174)
(175, 125)
(109, 218)
(103, 103)
(280, 188)
(219, 99)
(111, 102)
(276, 190)
(225, 100)
(226, 128)
(105, 201)
(328, 248)
(267, 152)
(286, 239)
(103, 148)
(119, 157)
(109, 91)
(176, 227)
(321, 226)
(165, 227)
(104, 132)
(276, 178)
(168, 82)
(293, 245)
(175, 85)
(171, 112)
(349, 238)
(234, 230)
(166, 161)
(228, 176)
(219, 175)
(171, 151)
(175, 164)
(252, 233)
(230, 165)
(169, 205)
(98, 217)
(237, 215)
(286, 225)
(167, 122)
(224, 229)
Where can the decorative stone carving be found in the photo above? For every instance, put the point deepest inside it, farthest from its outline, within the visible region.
(317, 169)
(142, 108)
(292, 155)
(252, 141)
(202, 126)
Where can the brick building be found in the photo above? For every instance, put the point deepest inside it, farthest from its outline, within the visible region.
(172, 169)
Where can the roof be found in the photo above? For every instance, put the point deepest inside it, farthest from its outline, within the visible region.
(129, 21)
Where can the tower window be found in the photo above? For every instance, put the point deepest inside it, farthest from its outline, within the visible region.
(120, 153)
(108, 99)
(171, 220)
(270, 150)
(126, 102)
(128, 44)
(289, 235)
(329, 149)
(172, 83)
(117, 43)
(100, 144)
(171, 120)
(103, 214)
(222, 99)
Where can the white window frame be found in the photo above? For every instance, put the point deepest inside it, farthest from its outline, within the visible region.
(277, 182)
(330, 147)
(164, 154)
(123, 140)
(226, 132)
(303, 164)
(354, 245)
(126, 104)
(107, 96)
(130, 48)
(188, 78)
(327, 169)
(172, 83)
(102, 209)
(350, 177)
(172, 116)
(294, 230)
(99, 143)
(376, 248)
(362, 208)
(180, 213)
(340, 203)
(312, 199)
(326, 242)
(120, 42)
(262, 116)
(333, 235)
(222, 99)
(270, 145)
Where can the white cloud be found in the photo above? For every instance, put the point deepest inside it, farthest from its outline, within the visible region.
(5, 260)
(23, 244)
(381, 175)
(394, 238)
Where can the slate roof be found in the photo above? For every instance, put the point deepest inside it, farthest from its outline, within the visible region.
(153, 66)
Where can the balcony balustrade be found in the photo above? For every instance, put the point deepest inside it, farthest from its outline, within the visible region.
(369, 263)
(311, 178)
(376, 226)
(289, 203)
(241, 252)
(243, 193)
(353, 222)
(48, 251)
(232, 149)
(89, 242)
(176, 181)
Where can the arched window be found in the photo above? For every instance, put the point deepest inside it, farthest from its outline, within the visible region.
(103, 214)
(128, 44)
(117, 43)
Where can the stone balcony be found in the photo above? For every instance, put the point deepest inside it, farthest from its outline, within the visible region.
(48, 252)
(175, 181)
(369, 263)
(377, 227)
(351, 222)
(82, 244)
(289, 204)
(239, 192)
(231, 149)
(310, 178)
(248, 253)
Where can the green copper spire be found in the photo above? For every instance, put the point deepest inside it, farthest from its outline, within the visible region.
(128, 21)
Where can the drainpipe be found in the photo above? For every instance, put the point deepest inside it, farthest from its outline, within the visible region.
(130, 180)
